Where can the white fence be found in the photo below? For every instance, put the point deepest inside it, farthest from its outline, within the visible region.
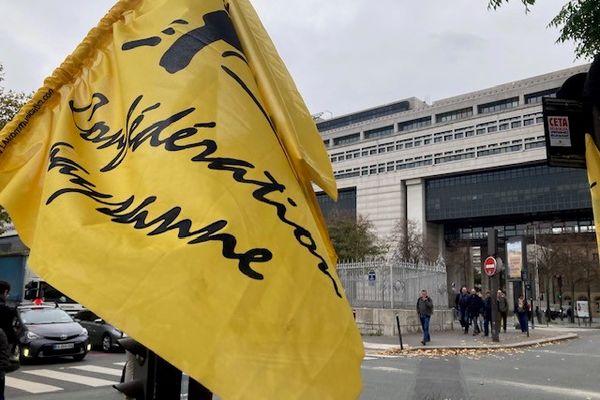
(393, 284)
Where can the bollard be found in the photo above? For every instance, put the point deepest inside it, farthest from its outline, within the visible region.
(399, 332)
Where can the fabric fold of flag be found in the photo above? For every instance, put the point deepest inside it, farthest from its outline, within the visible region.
(162, 177)
(592, 163)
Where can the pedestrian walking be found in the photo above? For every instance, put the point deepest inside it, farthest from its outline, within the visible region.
(475, 308)
(7, 363)
(502, 309)
(522, 311)
(487, 313)
(462, 301)
(425, 310)
(7, 315)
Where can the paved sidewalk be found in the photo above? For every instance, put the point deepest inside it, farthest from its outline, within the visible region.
(458, 340)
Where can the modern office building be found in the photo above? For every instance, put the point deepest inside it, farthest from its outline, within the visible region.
(458, 165)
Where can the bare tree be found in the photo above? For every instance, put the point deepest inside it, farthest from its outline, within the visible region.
(407, 243)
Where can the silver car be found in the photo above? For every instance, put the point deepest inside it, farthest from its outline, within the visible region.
(101, 334)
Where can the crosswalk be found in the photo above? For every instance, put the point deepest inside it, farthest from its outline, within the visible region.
(86, 375)
(54, 380)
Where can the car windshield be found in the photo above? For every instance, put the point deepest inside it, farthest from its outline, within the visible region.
(45, 316)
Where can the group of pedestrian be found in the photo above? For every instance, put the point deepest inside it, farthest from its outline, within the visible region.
(474, 310)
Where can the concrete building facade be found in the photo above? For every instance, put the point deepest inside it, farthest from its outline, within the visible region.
(457, 166)
(387, 154)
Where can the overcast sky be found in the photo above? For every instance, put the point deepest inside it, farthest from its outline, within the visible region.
(345, 55)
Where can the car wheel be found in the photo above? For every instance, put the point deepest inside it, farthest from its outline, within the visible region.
(106, 343)
(79, 357)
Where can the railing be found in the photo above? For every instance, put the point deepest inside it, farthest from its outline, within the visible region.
(393, 284)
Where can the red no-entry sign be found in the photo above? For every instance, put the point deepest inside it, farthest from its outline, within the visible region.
(489, 266)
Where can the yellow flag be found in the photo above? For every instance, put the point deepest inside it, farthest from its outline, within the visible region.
(162, 177)
(592, 164)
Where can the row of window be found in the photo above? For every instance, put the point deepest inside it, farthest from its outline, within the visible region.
(363, 116)
(440, 158)
(439, 137)
(506, 231)
(454, 115)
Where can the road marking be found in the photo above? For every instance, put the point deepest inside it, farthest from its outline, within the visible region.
(387, 369)
(562, 391)
(563, 353)
(99, 370)
(31, 387)
(65, 376)
(367, 358)
(122, 363)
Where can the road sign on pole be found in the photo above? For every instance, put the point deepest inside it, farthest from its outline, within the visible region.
(489, 266)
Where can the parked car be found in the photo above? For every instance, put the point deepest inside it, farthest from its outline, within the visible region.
(102, 334)
(47, 331)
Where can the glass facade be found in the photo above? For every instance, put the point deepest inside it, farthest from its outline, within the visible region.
(454, 115)
(379, 132)
(414, 124)
(497, 106)
(346, 203)
(517, 191)
(573, 225)
(534, 98)
(363, 116)
(355, 137)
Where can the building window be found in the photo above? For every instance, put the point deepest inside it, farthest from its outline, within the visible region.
(346, 139)
(414, 124)
(534, 98)
(363, 116)
(498, 105)
(379, 132)
(454, 115)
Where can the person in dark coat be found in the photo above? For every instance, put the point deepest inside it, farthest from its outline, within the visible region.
(522, 311)
(7, 363)
(502, 309)
(475, 308)
(462, 305)
(425, 310)
(487, 313)
(7, 315)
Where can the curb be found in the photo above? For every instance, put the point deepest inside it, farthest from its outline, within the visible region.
(527, 343)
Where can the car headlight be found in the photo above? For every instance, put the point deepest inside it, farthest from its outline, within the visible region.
(31, 336)
(84, 331)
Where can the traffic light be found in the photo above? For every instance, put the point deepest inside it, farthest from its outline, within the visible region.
(153, 377)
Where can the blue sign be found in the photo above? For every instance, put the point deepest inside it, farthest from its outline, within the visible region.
(371, 278)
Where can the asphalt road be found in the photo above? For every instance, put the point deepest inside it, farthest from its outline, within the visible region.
(567, 370)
